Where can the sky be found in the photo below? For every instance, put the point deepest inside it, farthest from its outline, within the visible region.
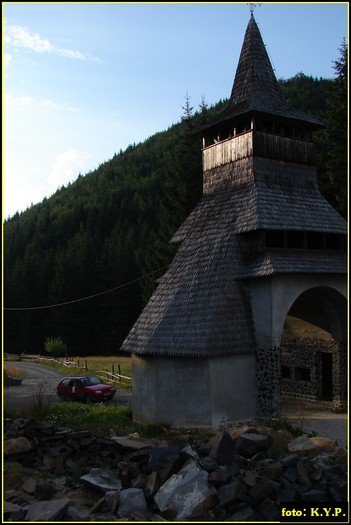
(83, 81)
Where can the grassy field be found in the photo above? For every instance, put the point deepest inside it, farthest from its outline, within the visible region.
(98, 363)
(98, 418)
(87, 365)
(12, 371)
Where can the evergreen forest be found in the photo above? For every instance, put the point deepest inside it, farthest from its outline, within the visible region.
(81, 264)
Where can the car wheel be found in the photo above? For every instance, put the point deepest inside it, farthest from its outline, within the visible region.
(62, 397)
(88, 399)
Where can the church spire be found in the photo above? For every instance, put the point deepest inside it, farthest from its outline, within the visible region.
(255, 85)
(255, 88)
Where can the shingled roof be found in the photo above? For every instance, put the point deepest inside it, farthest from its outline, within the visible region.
(255, 88)
(199, 309)
(288, 200)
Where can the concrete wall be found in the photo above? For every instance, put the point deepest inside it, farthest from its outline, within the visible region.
(193, 392)
(272, 298)
(170, 390)
(233, 389)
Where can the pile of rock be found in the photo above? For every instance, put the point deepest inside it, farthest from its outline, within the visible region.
(70, 475)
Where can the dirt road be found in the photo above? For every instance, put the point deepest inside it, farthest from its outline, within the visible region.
(43, 380)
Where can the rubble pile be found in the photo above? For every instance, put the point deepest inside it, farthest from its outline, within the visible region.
(71, 475)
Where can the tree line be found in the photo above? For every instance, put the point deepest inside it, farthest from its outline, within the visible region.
(82, 264)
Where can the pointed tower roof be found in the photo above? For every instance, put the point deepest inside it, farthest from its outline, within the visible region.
(255, 88)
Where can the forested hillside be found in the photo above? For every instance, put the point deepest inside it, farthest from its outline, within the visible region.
(86, 248)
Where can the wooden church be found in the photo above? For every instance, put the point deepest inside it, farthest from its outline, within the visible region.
(262, 246)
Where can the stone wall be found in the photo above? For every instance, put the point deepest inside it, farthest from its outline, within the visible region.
(292, 373)
(268, 381)
(301, 372)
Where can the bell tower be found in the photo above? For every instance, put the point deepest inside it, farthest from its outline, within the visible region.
(258, 123)
(262, 243)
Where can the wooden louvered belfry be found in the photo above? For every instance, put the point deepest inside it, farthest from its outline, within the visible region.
(206, 345)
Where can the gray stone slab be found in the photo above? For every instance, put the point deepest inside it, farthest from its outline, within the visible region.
(135, 444)
(132, 500)
(184, 491)
(102, 480)
(47, 510)
(302, 446)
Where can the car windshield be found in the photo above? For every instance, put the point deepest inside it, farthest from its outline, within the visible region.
(89, 381)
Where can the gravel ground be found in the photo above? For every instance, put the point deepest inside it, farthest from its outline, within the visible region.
(324, 422)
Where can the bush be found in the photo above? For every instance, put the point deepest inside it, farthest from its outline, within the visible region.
(55, 346)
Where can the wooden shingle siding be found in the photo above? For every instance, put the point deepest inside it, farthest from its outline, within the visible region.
(199, 308)
(231, 175)
(276, 261)
(271, 195)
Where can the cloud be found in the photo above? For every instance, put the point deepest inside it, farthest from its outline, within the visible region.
(28, 102)
(26, 186)
(67, 166)
(20, 191)
(21, 37)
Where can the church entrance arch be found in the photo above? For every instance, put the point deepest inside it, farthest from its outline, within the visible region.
(300, 325)
(313, 349)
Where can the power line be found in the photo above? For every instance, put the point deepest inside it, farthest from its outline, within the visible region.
(84, 298)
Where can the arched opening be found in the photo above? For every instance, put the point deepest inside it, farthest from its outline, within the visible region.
(313, 350)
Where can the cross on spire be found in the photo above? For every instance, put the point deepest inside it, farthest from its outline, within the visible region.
(252, 8)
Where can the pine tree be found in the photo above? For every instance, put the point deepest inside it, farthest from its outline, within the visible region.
(203, 106)
(187, 108)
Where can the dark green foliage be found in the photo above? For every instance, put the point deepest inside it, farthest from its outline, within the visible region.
(336, 120)
(55, 346)
(307, 94)
(326, 99)
(111, 227)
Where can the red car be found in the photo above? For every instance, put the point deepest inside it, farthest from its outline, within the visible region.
(88, 389)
